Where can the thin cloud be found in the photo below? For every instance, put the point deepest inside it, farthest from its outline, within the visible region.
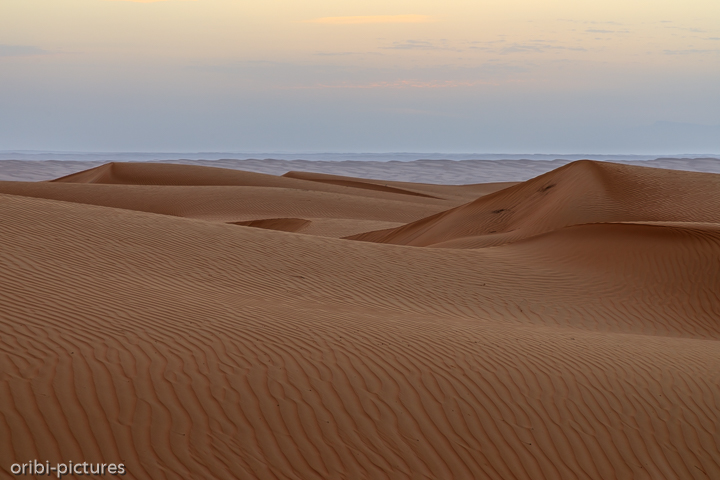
(537, 48)
(597, 30)
(687, 29)
(502, 47)
(372, 19)
(344, 54)
(522, 49)
(590, 22)
(442, 44)
(691, 51)
(400, 84)
(21, 51)
(415, 45)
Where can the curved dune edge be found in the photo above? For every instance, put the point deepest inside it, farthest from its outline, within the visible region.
(161, 174)
(147, 173)
(356, 183)
(172, 175)
(280, 224)
(578, 193)
(230, 203)
(232, 196)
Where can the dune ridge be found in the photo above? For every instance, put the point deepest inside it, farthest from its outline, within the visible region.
(239, 197)
(453, 170)
(187, 347)
(581, 192)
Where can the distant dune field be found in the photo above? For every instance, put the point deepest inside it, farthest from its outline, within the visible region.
(402, 168)
(198, 322)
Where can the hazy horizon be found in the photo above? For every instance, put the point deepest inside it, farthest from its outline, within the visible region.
(74, 156)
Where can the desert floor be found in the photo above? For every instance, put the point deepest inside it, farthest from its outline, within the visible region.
(199, 322)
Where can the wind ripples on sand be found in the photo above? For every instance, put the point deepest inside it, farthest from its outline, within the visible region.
(188, 348)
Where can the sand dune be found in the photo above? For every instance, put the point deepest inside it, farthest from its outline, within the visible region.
(581, 192)
(160, 174)
(281, 224)
(454, 192)
(137, 327)
(455, 170)
(236, 197)
(213, 194)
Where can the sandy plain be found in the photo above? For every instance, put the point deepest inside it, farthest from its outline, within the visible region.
(196, 322)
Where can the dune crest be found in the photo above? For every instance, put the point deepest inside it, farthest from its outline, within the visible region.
(231, 196)
(281, 224)
(578, 193)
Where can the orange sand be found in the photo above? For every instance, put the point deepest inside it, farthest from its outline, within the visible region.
(194, 322)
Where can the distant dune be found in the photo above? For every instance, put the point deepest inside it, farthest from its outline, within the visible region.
(431, 170)
(199, 322)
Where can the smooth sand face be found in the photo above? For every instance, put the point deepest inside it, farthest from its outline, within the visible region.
(141, 322)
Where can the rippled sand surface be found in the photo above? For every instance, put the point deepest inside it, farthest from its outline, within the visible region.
(196, 322)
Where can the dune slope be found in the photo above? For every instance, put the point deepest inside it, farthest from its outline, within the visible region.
(138, 327)
(581, 192)
(233, 196)
(129, 336)
(455, 192)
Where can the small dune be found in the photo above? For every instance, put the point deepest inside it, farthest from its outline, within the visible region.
(281, 224)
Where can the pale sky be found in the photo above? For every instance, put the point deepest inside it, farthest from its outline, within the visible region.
(553, 76)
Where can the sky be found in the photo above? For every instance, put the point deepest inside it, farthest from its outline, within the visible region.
(557, 76)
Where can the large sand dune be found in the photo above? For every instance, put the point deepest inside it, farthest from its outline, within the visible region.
(581, 192)
(144, 319)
